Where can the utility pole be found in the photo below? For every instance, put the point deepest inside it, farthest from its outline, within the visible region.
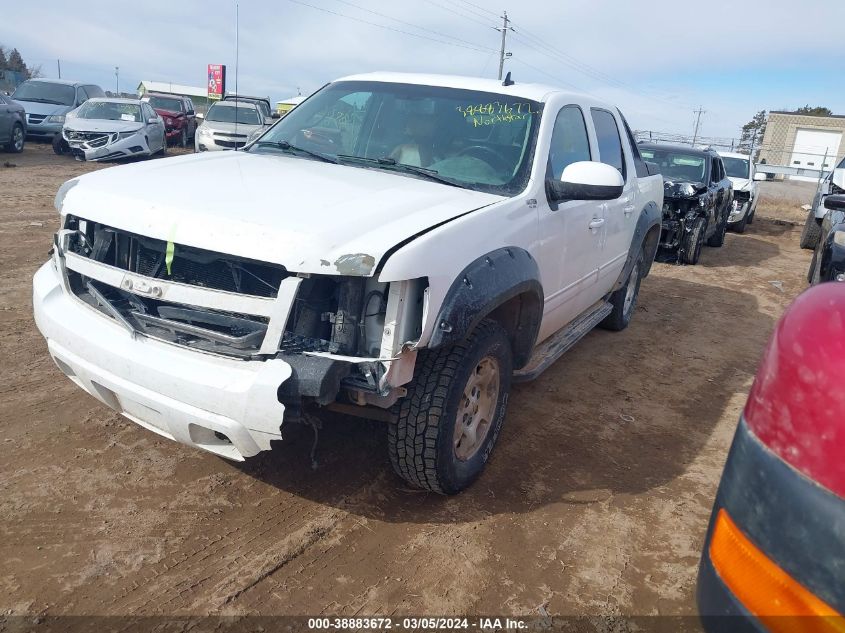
(698, 112)
(117, 81)
(59, 66)
(504, 29)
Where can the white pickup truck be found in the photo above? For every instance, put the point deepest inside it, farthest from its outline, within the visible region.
(400, 247)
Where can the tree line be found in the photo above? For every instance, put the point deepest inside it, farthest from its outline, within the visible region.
(13, 61)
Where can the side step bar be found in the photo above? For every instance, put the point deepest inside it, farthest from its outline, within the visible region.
(559, 343)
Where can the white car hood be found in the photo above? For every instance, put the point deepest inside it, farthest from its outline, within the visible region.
(101, 125)
(741, 184)
(307, 215)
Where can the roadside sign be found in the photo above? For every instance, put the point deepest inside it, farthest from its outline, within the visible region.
(216, 81)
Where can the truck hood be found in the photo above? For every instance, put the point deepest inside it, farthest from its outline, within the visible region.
(47, 109)
(682, 189)
(741, 184)
(306, 215)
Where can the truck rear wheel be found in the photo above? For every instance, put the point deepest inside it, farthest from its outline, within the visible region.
(624, 300)
(446, 426)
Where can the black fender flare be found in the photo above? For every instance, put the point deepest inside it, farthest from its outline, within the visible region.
(489, 283)
(650, 216)
(832, 255)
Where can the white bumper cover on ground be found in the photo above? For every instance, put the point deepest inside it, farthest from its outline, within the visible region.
(182, 394)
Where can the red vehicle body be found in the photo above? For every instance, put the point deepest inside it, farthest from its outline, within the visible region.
(180, 120)
(774, 556)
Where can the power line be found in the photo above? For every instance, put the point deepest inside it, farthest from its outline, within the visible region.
(421, 28)
(477, 49)
(463, 15)
(472, 4)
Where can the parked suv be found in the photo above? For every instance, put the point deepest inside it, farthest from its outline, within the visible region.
(744, 178)
(12, 124)
(180, 120)
(230, 125)
(47, 101)
(398, 247)
(697, 198)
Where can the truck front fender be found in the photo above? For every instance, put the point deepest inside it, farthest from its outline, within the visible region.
(503, 284)
(646, 238)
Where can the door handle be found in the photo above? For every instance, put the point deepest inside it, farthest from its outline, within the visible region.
(629, 209)
(596, 223)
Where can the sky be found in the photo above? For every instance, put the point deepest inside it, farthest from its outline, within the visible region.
(658, 60)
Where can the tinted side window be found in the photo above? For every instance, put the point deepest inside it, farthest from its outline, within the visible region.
(570, 142)
(94, 91)
(610, 144)
(639, 163)
(81, 95)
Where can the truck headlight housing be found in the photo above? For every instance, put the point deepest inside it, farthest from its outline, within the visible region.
(56, 118)
(839, 238)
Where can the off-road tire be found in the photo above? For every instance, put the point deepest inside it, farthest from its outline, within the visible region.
(621, 316)
(812, 232)
(420, 440)
(16, 140)
(718, 238)
(692, 242)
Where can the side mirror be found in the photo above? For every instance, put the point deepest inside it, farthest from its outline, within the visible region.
(275, 115)
(759, 176)
(200, 116)
(586, 180)
(835, 202)
(189, 112)
(268, 120)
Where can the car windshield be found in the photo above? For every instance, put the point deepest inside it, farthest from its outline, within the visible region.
(677, 165)
(246, 115)
(166, 103)
(45, 92)
(476, 140)
(736, 167)
(109, 111)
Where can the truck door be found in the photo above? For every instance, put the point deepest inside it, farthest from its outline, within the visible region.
(571, 233)
(619, 213)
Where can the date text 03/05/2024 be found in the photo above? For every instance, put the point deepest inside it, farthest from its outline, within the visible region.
(417, 624)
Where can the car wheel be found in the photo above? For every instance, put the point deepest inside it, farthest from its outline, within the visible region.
(751, 216)
(60, 146)
(446, 426)
(163, 149)
(739, 227)
(16, 141)
(692, 242)
(812, 231)
(624, 300)
(718, 238)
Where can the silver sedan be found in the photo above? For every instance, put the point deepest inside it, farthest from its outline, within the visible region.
(108, 129)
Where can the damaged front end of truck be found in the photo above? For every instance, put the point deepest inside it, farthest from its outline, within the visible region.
(683, 204)
(267, 344)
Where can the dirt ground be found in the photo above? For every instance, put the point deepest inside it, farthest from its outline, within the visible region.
(595, 501)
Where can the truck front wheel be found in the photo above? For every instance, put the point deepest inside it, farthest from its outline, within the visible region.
(445, 428)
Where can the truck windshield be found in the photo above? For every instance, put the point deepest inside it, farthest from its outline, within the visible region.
(476, 140)
(677, 165)
(246, 115)
(736, 167)
(109, 111)
(45, 92)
